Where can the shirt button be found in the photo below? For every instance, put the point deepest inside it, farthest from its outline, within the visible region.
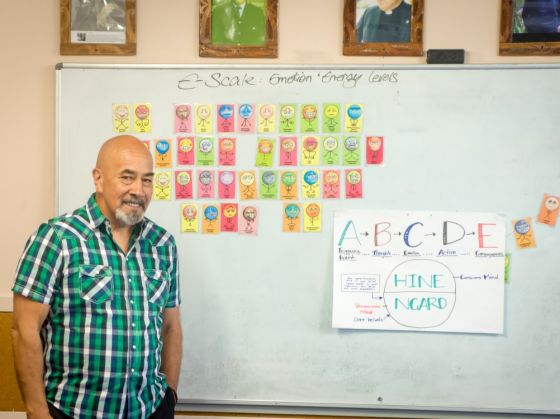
(131, 302)
(132, 369)
(133, 346)
(133, 324)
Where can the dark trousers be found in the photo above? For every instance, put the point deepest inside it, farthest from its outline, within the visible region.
(166, 409)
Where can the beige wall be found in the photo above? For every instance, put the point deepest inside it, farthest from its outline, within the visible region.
(309, 33)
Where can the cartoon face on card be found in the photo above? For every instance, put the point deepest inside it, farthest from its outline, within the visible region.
(288, 151)
(246, 116)
(247, 184)
(229, 217)
(226, 118)
(288, 185)
(162, 186)
(142, 117)
(189, 218)
(353, 118)
(162, 155)
(331, 184)
(266, 118)
(249, 220)
(269, 184)
(288, 115)
(353, 183)
(121, 117)
(524, 233)
(185, 150)
(210, 219)
(205, 151)
(310, 151)
(374, 150)
(226, 151)
(331, 117)
(351, 151)
(309, 118)
(203, 118)
(310, 184)
(312, 217)
(265, 152)
(291, 218)
(205, 184)
(183, 184)
(330, 147)
(183, 118)
(226, 184)
(548, 213)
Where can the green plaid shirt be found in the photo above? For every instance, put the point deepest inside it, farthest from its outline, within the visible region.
(102, 337)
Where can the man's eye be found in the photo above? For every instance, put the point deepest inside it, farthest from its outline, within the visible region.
(127, 179)
(148, 181)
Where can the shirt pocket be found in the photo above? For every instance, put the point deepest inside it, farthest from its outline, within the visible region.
(157, 286)
(96, 283)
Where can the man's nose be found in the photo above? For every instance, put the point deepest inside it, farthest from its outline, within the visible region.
(136, 187)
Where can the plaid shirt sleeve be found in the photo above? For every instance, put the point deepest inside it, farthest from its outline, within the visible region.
(39, 265)
(174, 294)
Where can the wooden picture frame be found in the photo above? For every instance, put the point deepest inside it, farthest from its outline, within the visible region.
(510, 46)
(212, 44)
(353, 46)
(89, 31)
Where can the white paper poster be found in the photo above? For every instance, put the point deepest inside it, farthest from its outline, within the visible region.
(421, 271)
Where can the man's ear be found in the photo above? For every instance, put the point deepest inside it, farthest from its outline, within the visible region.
(97, 180)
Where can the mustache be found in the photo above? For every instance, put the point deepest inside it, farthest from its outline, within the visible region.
(135, 201)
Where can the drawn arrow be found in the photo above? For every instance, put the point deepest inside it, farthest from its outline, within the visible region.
(430, 234)
(364, 234)
(470, 234)
(397, 234)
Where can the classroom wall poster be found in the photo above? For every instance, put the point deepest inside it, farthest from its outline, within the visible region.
(419, 271)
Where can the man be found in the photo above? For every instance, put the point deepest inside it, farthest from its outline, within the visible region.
(96, 326)
(389, 21)
(238, 22)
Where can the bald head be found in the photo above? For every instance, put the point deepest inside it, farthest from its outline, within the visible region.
(118, 145)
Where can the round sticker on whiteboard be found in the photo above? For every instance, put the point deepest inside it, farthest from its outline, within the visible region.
(162, 146)
(311, 177)
(354, 111)
(330, 143)
(353, 177)
(313, 210)
(229, 211)
(189, 212)
(268, 178)
(205, 145)
(288, 178)
(226, 111)
(227, 144)
(522, 227)
(227, 177)
(287, 111)
(185, 145)
(211, 213)
(247, 178)
(250, 213)
(245, 111)
(205, 177)
(291, 211)
(183, 178)
(351, 143)
(288, 144)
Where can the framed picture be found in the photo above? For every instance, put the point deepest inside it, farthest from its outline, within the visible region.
(238, 28)
(383, 27)
(93, 27)
(530, 27)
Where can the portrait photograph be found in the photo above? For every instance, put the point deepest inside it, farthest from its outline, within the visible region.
(530, 27)
(383, 27)
(238, 28)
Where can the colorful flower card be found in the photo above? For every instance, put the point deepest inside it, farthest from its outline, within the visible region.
(312, 217)
(309, 121)
(229, 219)
(226, 184)
(549, 210)
(291, 218)
(203, 119)
(246, 118)
(269, 184)
(310, 151)
(183, 184)
(142, 117)
(121, 117)
(310, 184)
(266, 115)
(331, 150)
(162, 186)
(288, 115)
(226, 151)
(162, 157)
(353, 185)
(331, 184)
(189, 218)
(351, 151)
(247, 185)
(288, 151)
(249, 220)
(374, 150)
(265, 152)
(288, 185)
(206, 184)
(524, 233)
(226, 118)
(183, 118)
(185, 151)
(205, 151)
(354, 118)
(331, 117)
(210, 219)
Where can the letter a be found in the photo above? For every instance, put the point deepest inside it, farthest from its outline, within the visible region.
(343, 235)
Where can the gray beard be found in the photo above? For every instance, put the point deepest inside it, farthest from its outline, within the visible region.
(128, 219)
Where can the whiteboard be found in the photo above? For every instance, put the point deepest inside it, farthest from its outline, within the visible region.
(257, 311)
